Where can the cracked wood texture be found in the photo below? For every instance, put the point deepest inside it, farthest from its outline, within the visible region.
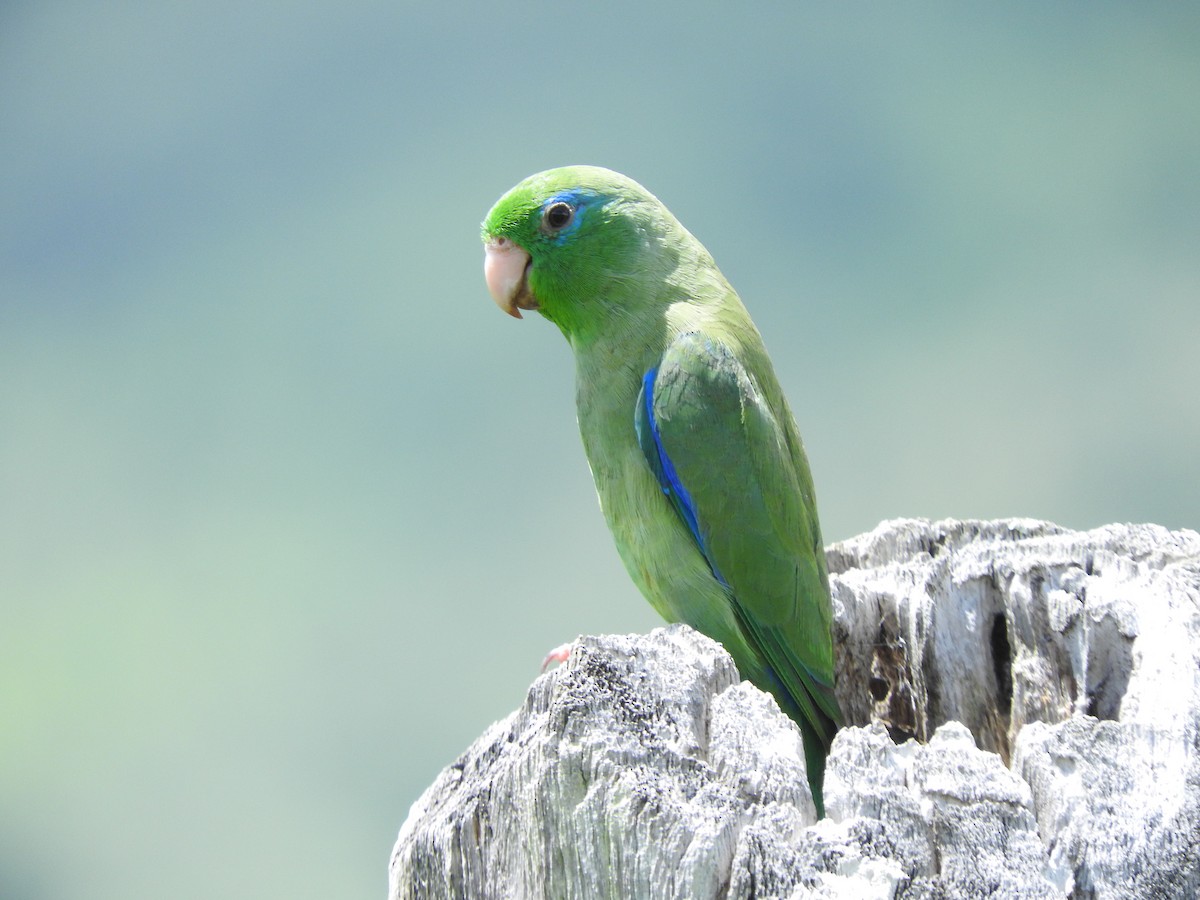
(1024, 704)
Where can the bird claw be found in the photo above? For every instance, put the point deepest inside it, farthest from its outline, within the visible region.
(559, 654)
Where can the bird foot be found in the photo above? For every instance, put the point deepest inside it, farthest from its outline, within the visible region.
(559, 654)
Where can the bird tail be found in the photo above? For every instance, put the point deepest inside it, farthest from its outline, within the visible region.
(816, 749)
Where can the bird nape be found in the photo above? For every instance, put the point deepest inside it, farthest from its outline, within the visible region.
(697, 459)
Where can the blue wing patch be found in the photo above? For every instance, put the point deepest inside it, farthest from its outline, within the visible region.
(664, 470)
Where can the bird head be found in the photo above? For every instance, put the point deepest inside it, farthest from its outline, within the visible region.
(576, 244)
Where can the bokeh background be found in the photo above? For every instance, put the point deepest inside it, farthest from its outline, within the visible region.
(289, 512)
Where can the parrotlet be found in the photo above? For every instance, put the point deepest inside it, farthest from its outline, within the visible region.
(697, 459)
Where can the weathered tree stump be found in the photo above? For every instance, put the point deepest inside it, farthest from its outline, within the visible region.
(1024, 705)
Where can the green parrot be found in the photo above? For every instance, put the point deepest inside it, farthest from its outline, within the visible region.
(697, 459)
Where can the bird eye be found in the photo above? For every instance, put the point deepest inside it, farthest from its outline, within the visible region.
(558, 216)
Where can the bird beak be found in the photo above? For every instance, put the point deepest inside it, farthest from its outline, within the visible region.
(506, 270)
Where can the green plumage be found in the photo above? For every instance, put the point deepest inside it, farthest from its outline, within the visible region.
(633, 291)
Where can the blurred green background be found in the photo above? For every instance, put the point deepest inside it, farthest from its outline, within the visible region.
(289, 512)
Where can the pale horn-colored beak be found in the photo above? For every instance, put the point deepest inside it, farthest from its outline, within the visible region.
(504, 268)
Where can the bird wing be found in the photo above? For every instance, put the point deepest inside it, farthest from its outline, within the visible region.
(724, 461)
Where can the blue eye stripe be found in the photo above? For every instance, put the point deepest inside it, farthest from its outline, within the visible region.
(579, 200)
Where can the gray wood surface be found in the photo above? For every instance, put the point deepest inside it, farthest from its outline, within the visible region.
(1023, 706)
